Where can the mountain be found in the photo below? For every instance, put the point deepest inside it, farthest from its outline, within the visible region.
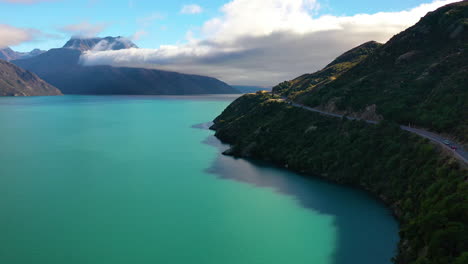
(8, 54)
(340, 65)
(100, 44)
(15, 81)
(32, 53)
(61, 68)
(426, 190)
(419, 77)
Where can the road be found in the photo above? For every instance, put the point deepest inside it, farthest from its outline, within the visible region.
(459, 153)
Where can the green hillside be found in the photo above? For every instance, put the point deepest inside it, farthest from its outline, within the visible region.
(419, 77)
(428, 192)
(309, 82)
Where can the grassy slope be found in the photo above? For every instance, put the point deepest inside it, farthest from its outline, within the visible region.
(420, 77)
(308, 82)
(428, 192)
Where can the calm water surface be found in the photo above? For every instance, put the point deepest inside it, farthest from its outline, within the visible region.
(109, 180)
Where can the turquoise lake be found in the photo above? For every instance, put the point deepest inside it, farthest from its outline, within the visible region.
(117, 179)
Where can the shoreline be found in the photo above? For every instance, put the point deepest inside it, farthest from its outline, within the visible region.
(399, 169)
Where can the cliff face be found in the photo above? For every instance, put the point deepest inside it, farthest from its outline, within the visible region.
(61, 68)
(15, 81)
(427, 192)
(420, 77)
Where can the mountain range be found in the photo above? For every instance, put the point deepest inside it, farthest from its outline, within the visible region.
(8, 54)
(62, 68)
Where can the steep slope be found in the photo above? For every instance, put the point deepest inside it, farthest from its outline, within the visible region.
(15, 81)
(428, 192)
(8, 54)
(419, 77)
(61, 68)
(340, 65)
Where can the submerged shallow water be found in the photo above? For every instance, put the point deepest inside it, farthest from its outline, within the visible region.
(116, 179)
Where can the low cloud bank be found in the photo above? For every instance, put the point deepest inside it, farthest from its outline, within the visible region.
(258, 42)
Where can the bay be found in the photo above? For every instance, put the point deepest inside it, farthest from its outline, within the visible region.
(120, 179)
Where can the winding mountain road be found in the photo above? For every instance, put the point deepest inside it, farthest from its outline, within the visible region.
(458, 153)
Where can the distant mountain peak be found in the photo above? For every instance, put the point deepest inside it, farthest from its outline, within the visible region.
(61, 68)
(8, 54)
(100, 44)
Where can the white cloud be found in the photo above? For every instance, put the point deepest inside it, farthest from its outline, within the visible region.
(262, 17)
(267, 41)
(11, 36)
(84, 29)
(191, 9)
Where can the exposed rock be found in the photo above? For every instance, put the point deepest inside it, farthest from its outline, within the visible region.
(15, 81)
(100, 44)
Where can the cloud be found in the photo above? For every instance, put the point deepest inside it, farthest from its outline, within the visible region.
(191, 9)
(84, 29)
(12, 36)
(27, 2)
(138, 35)
(245, 46)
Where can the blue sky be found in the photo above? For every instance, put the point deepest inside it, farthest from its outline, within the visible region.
(125, 18)
(242, 42)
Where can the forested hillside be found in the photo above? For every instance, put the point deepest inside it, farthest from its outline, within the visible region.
(428, 192)
(419, 77)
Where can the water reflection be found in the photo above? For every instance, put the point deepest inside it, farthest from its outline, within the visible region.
(367, 232)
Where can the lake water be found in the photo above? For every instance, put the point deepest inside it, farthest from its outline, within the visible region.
(116, 179)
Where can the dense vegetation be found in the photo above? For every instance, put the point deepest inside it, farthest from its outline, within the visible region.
(420, 77)
(427, 191)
